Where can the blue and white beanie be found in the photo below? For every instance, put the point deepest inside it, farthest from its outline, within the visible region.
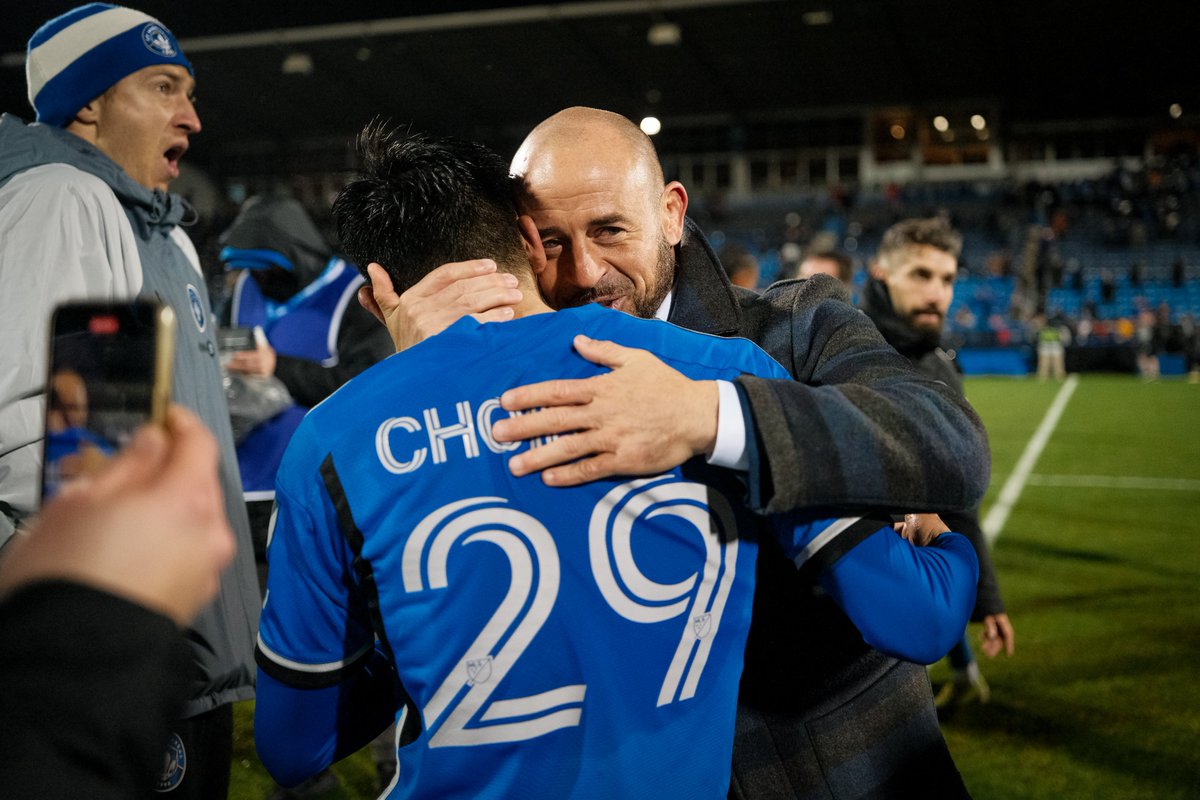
(75, 58)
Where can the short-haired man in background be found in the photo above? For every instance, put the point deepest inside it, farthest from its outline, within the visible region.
(908, 296)
(85, 214)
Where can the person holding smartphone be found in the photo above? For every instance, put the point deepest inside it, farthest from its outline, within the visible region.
(85, 213)
(91, 605)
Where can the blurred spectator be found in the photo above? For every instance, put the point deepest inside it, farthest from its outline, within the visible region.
(830, 261)
(1050, 349)
(964, 318)
(1137, 271)
(315, 335)
(740, 265)
(1108, 287)
(1148, 345)
(999, 329)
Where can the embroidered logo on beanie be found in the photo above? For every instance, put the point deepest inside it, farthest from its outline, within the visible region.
(158, 40)
(76, 57)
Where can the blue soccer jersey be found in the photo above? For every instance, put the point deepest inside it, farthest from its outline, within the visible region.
(559, 643)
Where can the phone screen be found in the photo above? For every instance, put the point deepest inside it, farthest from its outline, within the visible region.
(107, 376)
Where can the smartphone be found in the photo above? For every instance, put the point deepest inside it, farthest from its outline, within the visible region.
(109, 373)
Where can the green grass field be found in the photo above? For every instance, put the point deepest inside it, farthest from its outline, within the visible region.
(1099, 563)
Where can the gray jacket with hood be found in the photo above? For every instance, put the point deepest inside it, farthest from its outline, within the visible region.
(73, 226)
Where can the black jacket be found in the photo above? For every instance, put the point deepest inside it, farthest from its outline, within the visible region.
(93, 683)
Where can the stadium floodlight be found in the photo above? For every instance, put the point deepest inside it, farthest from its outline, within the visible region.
(664, 33)
(650, 125)
(978, 122)
(941, 123)
(297, 64)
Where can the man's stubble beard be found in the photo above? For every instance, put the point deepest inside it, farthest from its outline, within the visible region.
(664, 278)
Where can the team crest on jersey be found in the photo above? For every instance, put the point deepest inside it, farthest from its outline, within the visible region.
(158, 41)
(479, 670)
(702, 625)
(174, 765)
(198, 312)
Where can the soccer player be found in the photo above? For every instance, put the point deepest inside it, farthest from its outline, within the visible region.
(528, 641)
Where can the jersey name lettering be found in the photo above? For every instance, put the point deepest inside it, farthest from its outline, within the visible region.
(401, 453)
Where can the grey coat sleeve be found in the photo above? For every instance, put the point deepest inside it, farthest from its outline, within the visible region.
(858, 427)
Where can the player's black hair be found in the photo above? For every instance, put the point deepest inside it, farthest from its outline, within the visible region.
(422, 201)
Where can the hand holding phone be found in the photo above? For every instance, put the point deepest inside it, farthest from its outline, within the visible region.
(110, 372)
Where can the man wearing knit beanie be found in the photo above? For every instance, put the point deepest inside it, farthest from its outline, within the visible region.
(85, 214)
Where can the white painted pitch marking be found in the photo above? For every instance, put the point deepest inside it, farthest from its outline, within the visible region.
(1115, 482)
(997, 515)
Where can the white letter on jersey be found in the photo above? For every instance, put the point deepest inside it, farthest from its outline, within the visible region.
(464, 429)
(383, 445)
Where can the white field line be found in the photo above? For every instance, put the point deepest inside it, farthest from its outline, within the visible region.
(1115, 482)
(997, 515)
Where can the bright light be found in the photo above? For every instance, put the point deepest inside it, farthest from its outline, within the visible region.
(941, 123)
(650, 125)
(1176, 111)
(663, 33)
(897, 131)
(297, 64)
(978, 122)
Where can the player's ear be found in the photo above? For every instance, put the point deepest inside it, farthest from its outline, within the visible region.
(532, 242)
(366, 299)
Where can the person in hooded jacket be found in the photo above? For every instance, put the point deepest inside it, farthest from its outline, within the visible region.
(907, 296)
(315, 335)
(85, 214)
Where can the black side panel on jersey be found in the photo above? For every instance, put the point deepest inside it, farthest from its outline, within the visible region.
(366, 584)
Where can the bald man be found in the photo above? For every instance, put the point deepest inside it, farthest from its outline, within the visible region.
(820, 712)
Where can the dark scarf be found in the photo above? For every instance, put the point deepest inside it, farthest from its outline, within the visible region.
(909, 341)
